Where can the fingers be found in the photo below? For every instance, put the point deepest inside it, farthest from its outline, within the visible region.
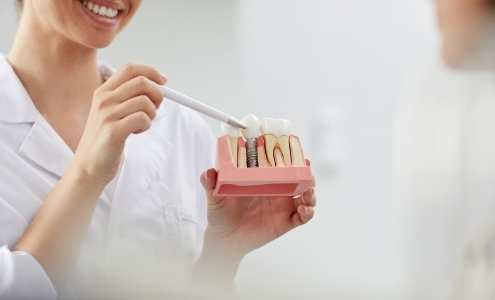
(139, 86)
(139, 103)
(130, 71)
(137, 122)
(307, 199)
(308, 162)
(208, 180)
(305, 207)
(128, 101)
(304, 215)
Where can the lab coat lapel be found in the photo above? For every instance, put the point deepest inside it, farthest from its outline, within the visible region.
(144, 155)
(42, 145)
(46, 148)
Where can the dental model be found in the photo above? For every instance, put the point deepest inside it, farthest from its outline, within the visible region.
(270, 164)
(233, 133)
(251, 134)
(277, 133)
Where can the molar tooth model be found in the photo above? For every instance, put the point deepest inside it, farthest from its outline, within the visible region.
(279, 170)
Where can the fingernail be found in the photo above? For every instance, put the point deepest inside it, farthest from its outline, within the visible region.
(205, 175)
(164, 77)
(306, 210)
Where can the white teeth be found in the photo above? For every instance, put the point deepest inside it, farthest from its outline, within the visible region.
(277, 137)
(110, 13)
(277, 127)
(285, 127)
(252, 130)
(276, 133)
(230, 130)
(101, 10)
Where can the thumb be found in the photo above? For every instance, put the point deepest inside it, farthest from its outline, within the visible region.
(208, 180)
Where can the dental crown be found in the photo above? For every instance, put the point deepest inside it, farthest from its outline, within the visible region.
(278, 149)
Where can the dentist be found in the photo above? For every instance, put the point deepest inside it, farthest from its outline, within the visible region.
(103, 192)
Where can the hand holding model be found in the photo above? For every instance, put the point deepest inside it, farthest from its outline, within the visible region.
(239, 224)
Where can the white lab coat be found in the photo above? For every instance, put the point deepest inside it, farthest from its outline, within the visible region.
(149, 223)
(445, 183)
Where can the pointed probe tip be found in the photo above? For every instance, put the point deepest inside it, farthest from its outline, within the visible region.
(236, 123)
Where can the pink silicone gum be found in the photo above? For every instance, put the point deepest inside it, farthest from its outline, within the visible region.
(261, 181)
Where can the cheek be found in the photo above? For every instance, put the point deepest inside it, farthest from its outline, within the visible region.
(134, 7)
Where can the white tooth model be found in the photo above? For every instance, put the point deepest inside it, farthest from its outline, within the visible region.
(251, 134)
(233, 133)
(277, 136)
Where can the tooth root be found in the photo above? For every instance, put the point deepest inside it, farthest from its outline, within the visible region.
(270, 143)
(279, 158)
(262, 163)
(242, 158)
(233, 142)
(297, 153)
(283, 144)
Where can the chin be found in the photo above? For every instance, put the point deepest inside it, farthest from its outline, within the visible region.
(471, 49)
(97, 43)
(452, 57)
(477, 56)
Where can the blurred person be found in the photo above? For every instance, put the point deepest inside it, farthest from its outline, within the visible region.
(104, 193)
(445, 162)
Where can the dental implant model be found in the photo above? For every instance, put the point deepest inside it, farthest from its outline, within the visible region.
(266, 160)
(251, 134)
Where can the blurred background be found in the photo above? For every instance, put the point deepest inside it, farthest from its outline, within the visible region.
(338, 69)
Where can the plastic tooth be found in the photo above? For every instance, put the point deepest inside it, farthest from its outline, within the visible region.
(277, 137)
(233, 134)
(284, 146)
(270, 144)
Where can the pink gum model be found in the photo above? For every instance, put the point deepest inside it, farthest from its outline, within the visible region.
(261, 181)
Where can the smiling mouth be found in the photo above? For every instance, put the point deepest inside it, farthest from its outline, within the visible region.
(100, 10)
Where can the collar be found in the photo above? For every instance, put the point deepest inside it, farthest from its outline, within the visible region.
(15, 104)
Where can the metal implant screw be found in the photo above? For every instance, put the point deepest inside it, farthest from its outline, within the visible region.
(252, 153)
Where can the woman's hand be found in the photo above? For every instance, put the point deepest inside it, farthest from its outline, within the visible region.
(126, 103)
(238, 225)
(241, 224)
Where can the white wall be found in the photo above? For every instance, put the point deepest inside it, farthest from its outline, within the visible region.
(298, 60)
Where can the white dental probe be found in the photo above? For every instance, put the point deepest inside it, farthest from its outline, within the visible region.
(201, 107)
